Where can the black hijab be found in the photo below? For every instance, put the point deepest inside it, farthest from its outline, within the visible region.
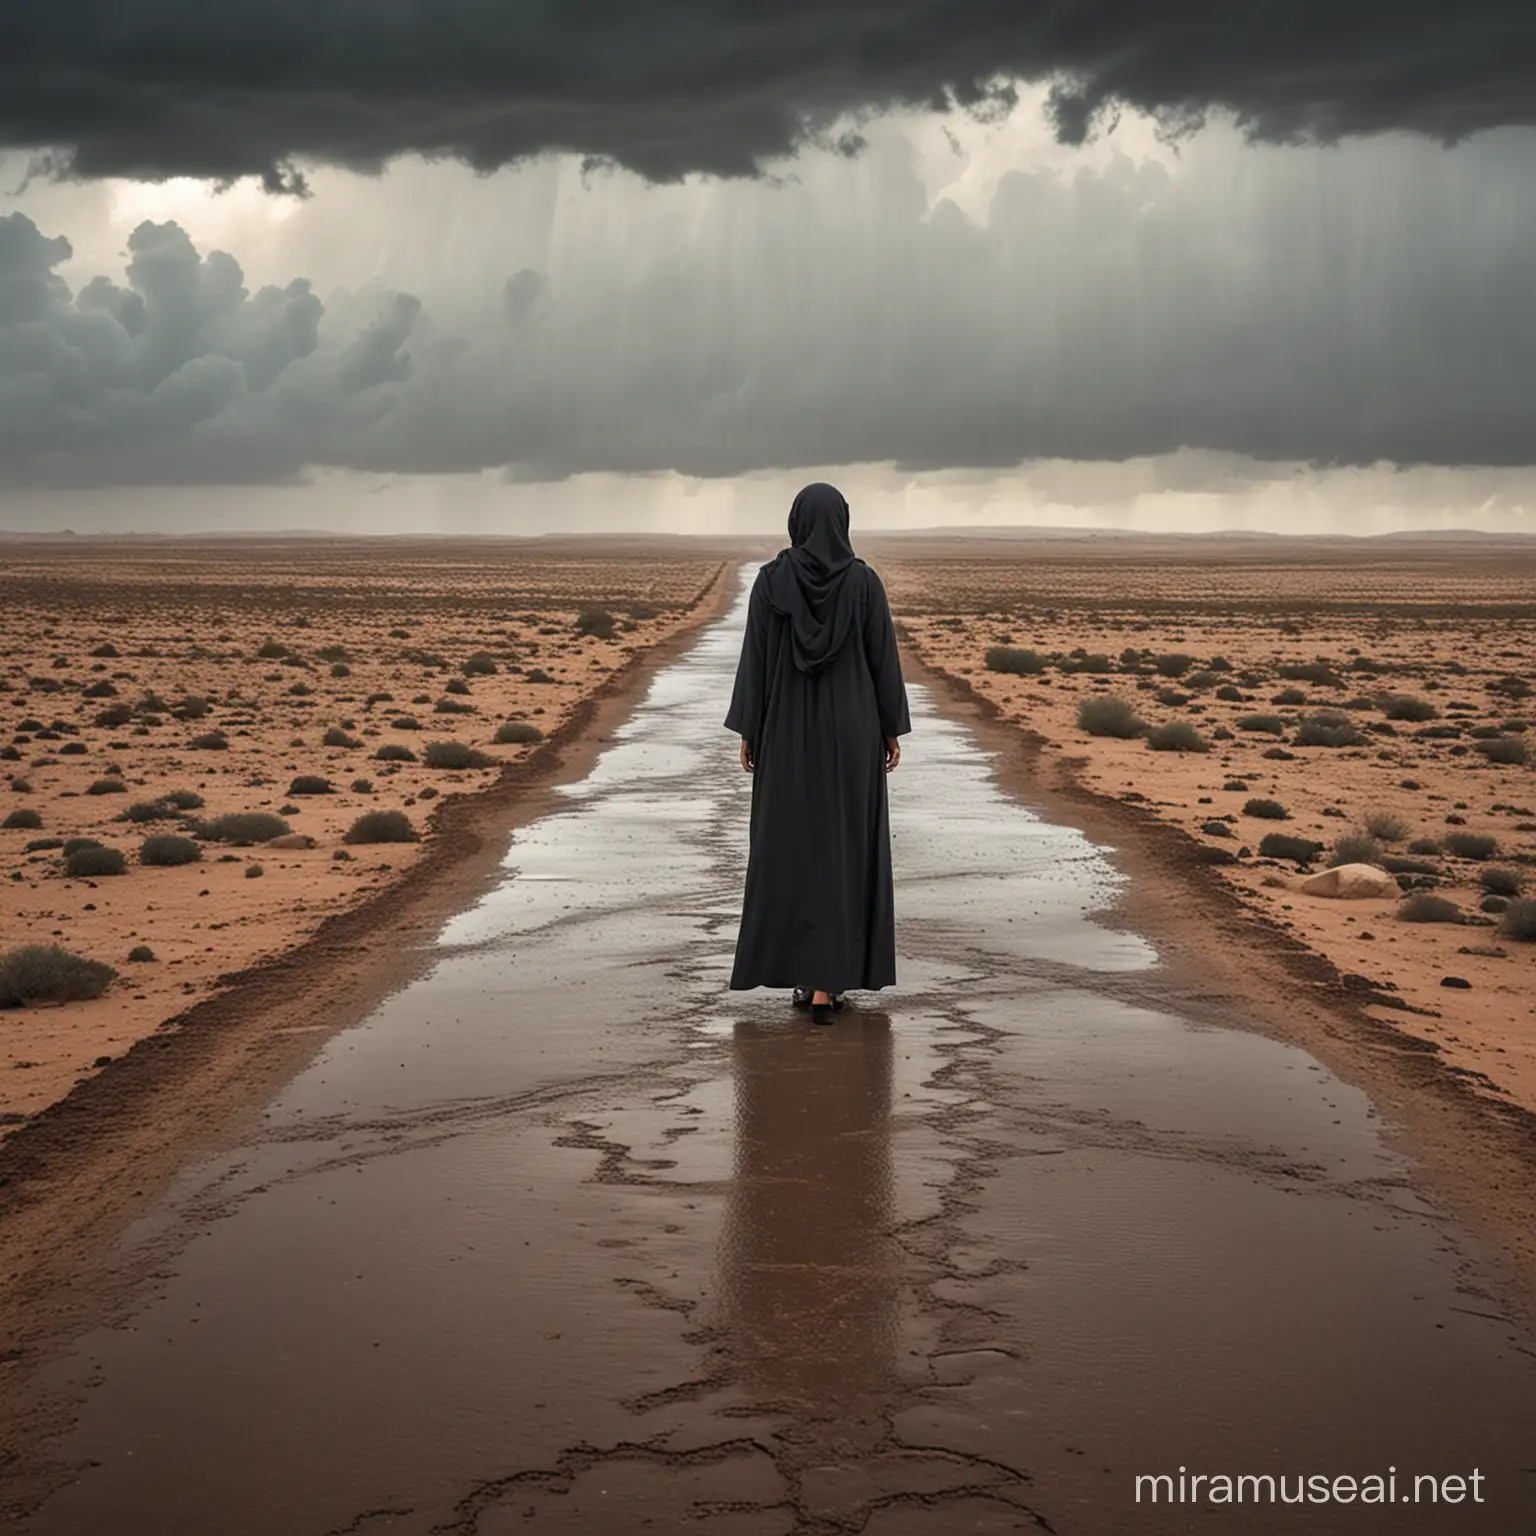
(807, 581)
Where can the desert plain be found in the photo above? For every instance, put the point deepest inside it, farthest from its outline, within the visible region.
(263, 734)
(1359, 700)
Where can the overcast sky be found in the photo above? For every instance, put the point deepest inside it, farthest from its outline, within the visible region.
(1177, 276)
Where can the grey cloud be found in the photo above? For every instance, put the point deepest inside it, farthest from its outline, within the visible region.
(1340, 308)
(141, 88)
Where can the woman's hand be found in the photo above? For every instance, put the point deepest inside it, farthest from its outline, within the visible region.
(746, 755)
(892, 753)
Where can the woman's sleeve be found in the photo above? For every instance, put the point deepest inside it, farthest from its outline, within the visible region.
(885, 661)
(750, 696)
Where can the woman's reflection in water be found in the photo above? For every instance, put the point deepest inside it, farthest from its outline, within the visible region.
(809, 1266)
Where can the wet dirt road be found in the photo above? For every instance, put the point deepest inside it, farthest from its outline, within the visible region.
(566, 1238)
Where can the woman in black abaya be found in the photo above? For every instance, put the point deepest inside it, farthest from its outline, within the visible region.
(819, 705)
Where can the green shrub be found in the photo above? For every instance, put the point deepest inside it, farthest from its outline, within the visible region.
(244, 828)
(23, 819)
(516, 733)
(1109, 716)
(94, 860)
(1278, 845)
(1520, 921)
(107, 787)
(1021, 663)
(393, 752)
(382, 827)
(1328, 728)
(1505, 750)
(481, 664)
(184, 800)
(1499, 881)
(1385, 826)
(1270, 725)
(455, 754)
(336, 737)
(1356, 848)
(1266, 810)
(311, 784)
(165, 850)
(1173, 664)
(1471, 845)
(1426, 907)
(1402, 706)
(45, 973)
(1176, 736)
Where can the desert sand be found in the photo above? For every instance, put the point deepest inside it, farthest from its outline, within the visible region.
(153, 686)
(1246, 640)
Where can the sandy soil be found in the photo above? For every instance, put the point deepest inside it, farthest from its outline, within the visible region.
(1449, 623)
(120, 657)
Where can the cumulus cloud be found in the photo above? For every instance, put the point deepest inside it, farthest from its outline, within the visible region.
(1348, 307)
(666, 87)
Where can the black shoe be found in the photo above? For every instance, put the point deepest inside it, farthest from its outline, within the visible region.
(823, 1013)
(801, 997)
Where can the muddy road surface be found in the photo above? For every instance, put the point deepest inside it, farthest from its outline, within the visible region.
(566, 1238)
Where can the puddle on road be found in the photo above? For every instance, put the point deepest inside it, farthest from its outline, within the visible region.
(566, 1238)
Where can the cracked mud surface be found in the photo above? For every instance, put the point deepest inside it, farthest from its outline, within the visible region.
(565, 1238)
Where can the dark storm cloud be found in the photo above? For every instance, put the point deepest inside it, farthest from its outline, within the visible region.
(150, 89)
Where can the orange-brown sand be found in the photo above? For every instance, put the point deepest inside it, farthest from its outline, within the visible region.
(1450, 623)
(134, 670)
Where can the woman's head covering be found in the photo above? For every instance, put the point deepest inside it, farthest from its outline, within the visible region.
(807, 581)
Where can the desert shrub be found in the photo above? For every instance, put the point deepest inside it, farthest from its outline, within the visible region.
(595, 621)
(1109, 716)
(1095, 662)
(1171, 697)
(1200, 680)
(340, 669)
(72, 749)
(243, 828)
(537, 675)
(1485, 733)
(21, 786)
(193, 707)
(23, 819)
(311, 784)
(1385, 826)
(141, 954)
(1328, 728)
(184, 800)
(1505, 750)
(1266, 810)
(1395, 865)
(378, 698)
(45, 973)
(1356, 848)
(1511, 687)
(165, 850)
(93, 860)
(113, 716)
(1402, 706)
(1289, 696)
(455, 754)
(273, 650)
(457, 686)
(1502, 881)
(1229, 695)
(517, 732)
(106, 787)
(101, 690)
(254, 871)
(72, 844)
(336, 737)
(1426, 907)
(1176, 736)
(146, 810)
(1173, 664)
(452, 707)
(405, 723)
(1270, 725)
(1235, 784)
(382, 827)
(43, 845)
(1423, 845)
(210, 741)
(1021, 663)
(481, 664)
(106, 651)
(332, 653)
(1471, 845)
(393, 752)
(1280, 845)
(1317, 672)
(1520, 921)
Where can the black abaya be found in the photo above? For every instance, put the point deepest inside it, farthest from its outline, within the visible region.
(818, 691)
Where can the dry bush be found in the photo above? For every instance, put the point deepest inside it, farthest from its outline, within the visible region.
(382, 827)
(45, 973)
(517, 733)
(1426, 907)
(244, 828)
(94, 861)
(1110, 716)
(165, 850)
(1006, 658)
(1176, 736)
(455, 755)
